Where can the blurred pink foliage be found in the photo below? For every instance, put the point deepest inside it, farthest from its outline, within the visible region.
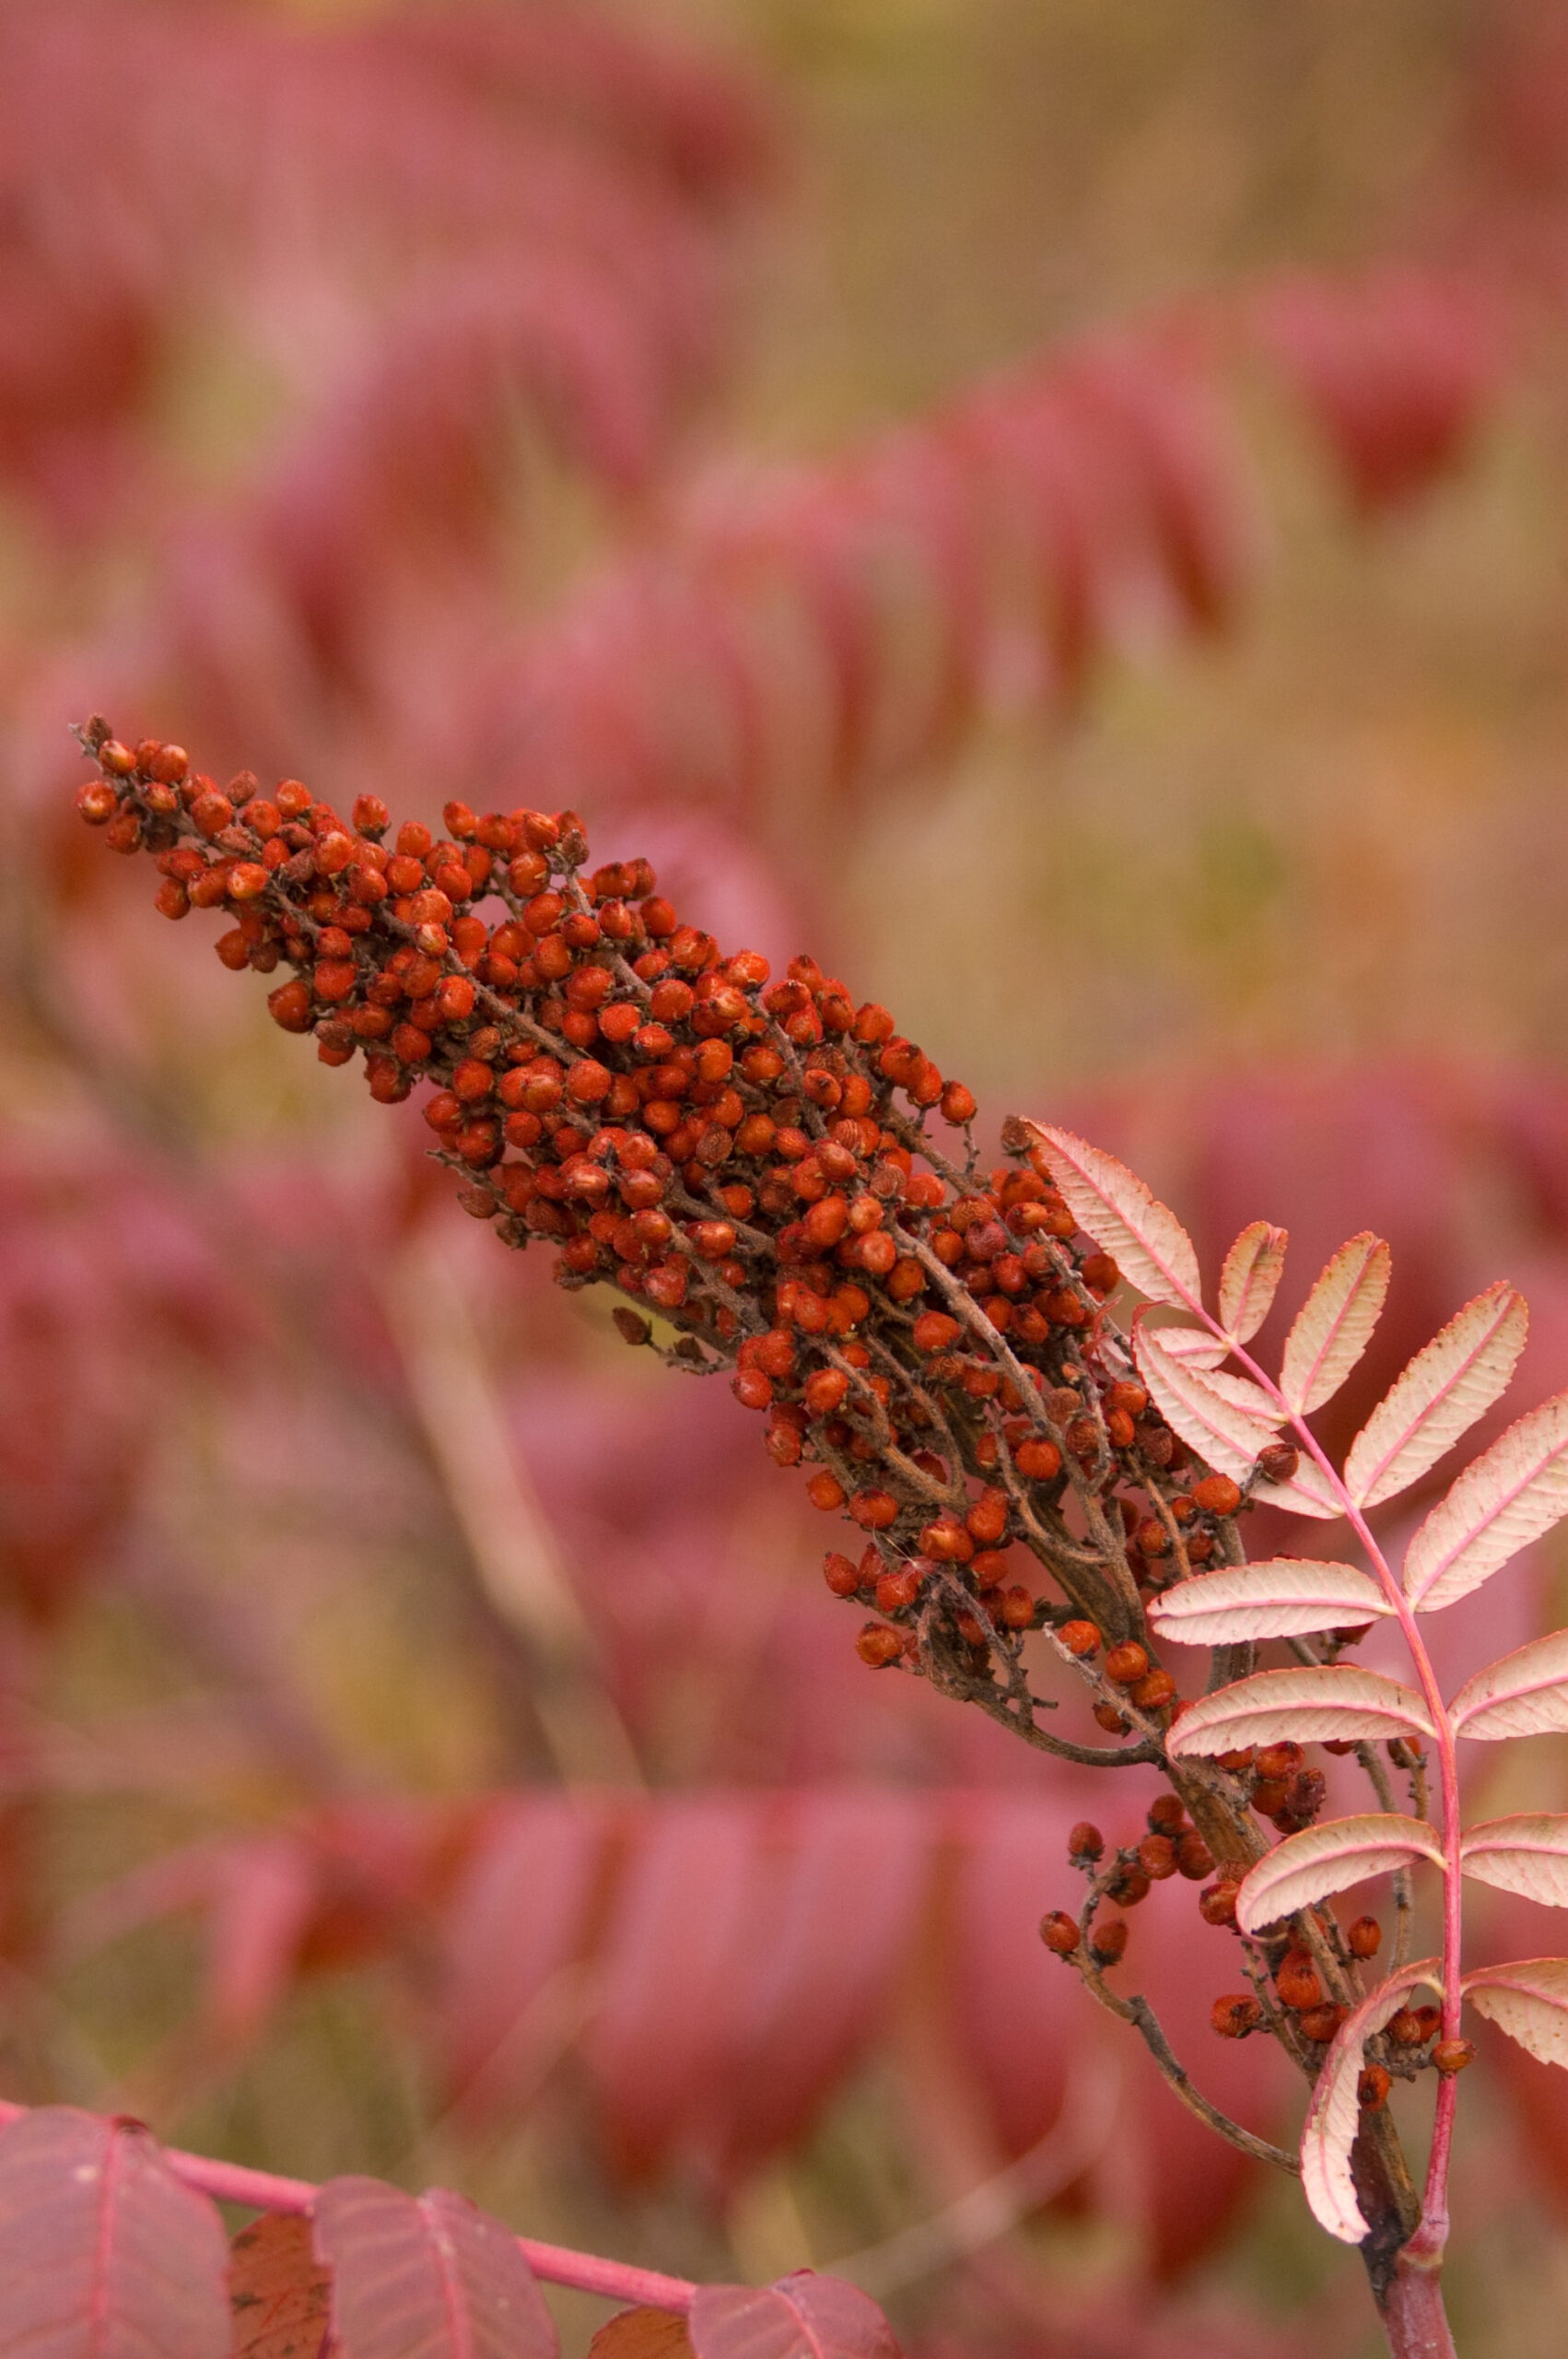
(434, 257)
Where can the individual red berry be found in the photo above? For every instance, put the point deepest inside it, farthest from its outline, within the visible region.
(96, 801)
(1373, 2086)
(1217, 1495)
(1127, 1663)
(825, 1389)
(1276, 1461)
(935, 1332)
(1278, 1760)
(1085, 1841)
(1297, 1984)
(896, 1591)
(752, 1389)
(1059, 1932)
(1321, 2022)
(1115, 1723)
(1194, 1858)
(1107, 1942)
(1234, 2015)
(986, 1521)
(1451, 2056)
(1153, 1692)
(825, 1491)
(1217, 1905)
(1018, 1608)
(841, 1576)
(1038, 1460)
(1364, 1937)
(1080, 1638)
(1129, 1883)
(874, 1510)
(169, 765)
(1157, 1856)
(879, 1644)
(289, 1005)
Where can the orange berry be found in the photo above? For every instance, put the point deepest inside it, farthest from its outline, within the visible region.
(840, 1575)
(1364, 1937)
(1322, 2023)
(874, 1510)
(291, 1005)
(825, 1491)
(1127, 1663)
(1234, 2015)
(1038, 1460)
(1080, 1638)
(935, 1332)
(1194, 1858)
(1059, 1932)
(878, 1644)
(1217, 1495)
(895, 1591)
(1297, 1984)
(1107, 1942)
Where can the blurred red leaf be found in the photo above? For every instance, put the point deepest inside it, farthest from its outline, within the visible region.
(516, 1918)
(280, 2294)
(801, 2317)
(671, 1962)
(830, 1927)
(430, 2276)
(103, 2253)
(642, 2334)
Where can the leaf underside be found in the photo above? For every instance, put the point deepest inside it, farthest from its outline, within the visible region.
(1450, 1383)
(1334, 1324)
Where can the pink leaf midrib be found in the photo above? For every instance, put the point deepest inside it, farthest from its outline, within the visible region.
(1308, 1377)
(453, 2300)
(98, 2306)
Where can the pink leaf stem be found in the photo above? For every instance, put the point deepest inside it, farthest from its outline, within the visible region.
(586, 2273)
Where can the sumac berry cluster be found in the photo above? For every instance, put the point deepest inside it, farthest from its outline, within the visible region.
(746, 1162)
